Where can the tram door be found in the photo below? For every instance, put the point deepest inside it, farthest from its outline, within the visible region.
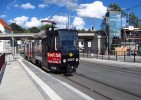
(44, 52)
(33, 52)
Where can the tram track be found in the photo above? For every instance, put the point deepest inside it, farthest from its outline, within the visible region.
(90, 89)
(101, 83)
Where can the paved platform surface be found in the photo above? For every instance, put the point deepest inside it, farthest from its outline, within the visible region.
(16, 85)
(19, 82)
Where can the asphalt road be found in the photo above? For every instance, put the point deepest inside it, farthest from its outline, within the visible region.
(125, 81)
(116, 84)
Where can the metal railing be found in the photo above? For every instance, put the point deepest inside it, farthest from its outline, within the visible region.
(2, 60)
(122, 56)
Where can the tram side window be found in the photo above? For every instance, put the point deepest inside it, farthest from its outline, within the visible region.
(40, 45)
(58, 43)
(52, 44)
(35, 46)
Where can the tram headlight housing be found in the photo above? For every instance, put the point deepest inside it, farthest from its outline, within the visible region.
(76, 59)
(64, 60)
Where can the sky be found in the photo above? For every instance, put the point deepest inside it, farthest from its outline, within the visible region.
(83, 13)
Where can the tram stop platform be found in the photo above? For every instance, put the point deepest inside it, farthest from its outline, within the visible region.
(19, 82)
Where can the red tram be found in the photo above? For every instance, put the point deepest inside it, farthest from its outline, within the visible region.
(55, 50)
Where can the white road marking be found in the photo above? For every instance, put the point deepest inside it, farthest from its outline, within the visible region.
(75, 90)
(52, 95)
(35, 66)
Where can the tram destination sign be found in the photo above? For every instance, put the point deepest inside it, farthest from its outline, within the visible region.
(54, 57)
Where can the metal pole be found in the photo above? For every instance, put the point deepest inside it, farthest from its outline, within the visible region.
(116, 55)
(13, 49)
(107, 40)
(108, 56)
(128, 18)
(83, 53)
(134, 56)
(102, 55)
(87, 53)
(124, 56)
(69, 21)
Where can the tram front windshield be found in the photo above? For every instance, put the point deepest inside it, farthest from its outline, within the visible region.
(69, 40)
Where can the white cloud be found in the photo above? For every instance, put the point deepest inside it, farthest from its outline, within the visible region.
(3, 16)
(33, 23)
(42, 5)
(27, 6)
(72, 5)
(60, 19)
(25, 22)
(78, 23)
(20, 20)
(93, 10)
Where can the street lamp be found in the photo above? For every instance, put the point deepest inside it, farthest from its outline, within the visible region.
(107, 42)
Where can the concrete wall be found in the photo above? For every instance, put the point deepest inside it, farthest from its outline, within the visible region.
(98, 44)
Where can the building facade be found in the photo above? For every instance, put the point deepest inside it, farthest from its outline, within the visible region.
(115, 26)
(5, 46)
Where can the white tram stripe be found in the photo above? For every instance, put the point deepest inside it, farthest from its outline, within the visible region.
(52, 95)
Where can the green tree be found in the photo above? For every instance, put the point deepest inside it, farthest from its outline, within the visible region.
(115, 7)
(17, 28)
(134, 20)
(112, 7)
(103, 24)
(83, 31)
(34, 30)
(45, 26)
(89, 30)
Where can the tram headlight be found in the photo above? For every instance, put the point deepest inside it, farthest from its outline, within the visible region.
(76, 59)
(64, 60)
